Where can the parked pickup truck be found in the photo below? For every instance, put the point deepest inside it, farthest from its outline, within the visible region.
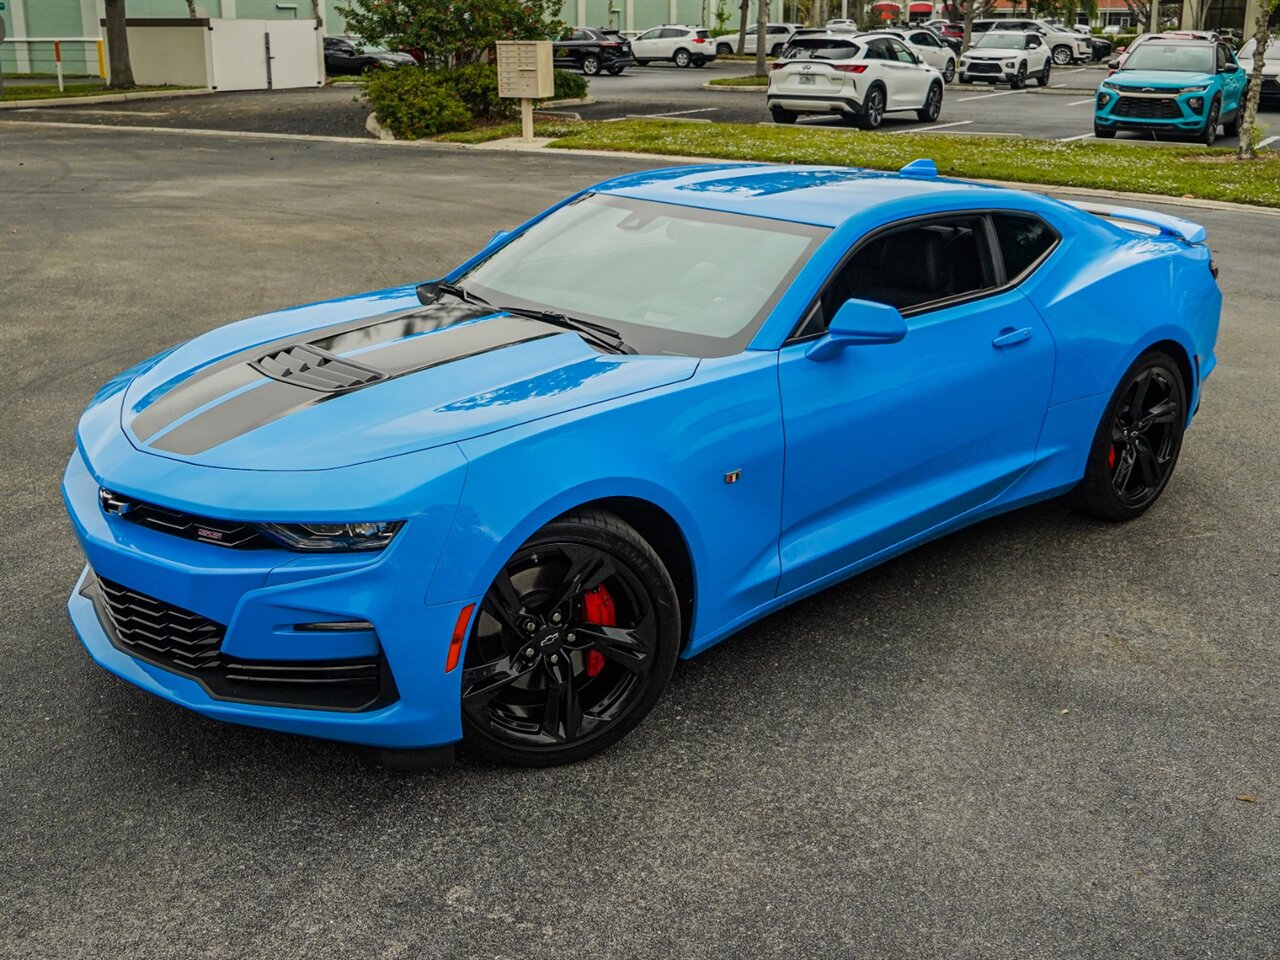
(593, 49)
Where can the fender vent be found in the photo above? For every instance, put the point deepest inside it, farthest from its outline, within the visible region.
(306, 366)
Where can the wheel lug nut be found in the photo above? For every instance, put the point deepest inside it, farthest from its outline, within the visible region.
(530, 626)
(555, 617)
(555, 658)
(529, 651)
(571, 637)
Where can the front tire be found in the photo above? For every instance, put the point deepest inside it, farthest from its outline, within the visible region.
(1137, 443)
(1104, 133)
(1062, 55)
(723, 50)
(932, 105)
(572, 646)
(1209, 135)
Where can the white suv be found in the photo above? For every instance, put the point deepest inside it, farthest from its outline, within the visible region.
(682, 45)
(1065, 46)
(861, 76)
(929, 47)
(1007, 56)
(777, 35)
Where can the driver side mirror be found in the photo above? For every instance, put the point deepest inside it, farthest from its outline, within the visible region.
(858, 323)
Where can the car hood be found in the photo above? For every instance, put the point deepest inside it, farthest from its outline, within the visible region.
(1161, 79)
(348, 381)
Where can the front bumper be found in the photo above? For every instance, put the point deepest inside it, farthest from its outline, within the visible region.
(1169, 111)
(258, 599)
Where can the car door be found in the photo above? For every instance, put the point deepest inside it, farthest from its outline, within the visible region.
(569, 52)
(749, 41)
(886, 442)
(648, 46)
(911, 79)
(342, 56)
(929, 49)
(1233, 78)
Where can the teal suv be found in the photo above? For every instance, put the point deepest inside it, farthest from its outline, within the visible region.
(1173, 86)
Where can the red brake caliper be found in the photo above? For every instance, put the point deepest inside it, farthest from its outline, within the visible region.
(1111, 457)
(597, 608)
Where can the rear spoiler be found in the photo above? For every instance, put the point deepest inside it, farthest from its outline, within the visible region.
(1162, 223)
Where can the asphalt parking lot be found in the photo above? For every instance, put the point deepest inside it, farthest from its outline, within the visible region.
(1025, 740)
(1064, 111)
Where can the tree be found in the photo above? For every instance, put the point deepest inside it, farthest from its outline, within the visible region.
(450, 31)
(762, 36)
(315, 12)
(1262, 37)
(191, 9)
(743, 9)
(118, 46)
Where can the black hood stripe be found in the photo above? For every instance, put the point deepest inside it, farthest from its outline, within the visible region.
(233, 372)
(275, 399)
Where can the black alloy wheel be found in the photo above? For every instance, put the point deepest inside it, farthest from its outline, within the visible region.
(1137, 444)
(1043, 79)
(949, 73)
(1019, 80)
(590, 65)
(872, 109)
(572, 645)
(615, 71)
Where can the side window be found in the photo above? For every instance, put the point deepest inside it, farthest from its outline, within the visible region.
(651, 35)
(901, 53)
(1024, 241)
(671, 33)
(922, 40)
(1224, 57)
(580, 35)
(878, 50)
(912, 268)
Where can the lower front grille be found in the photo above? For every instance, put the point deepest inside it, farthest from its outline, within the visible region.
(190, 645)
(984, 68)
(1147, 108)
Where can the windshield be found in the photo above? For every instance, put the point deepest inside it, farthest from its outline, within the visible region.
(1005, 39)
(669, 279)
(1172, 56)
(1271, 53)
(820, 48)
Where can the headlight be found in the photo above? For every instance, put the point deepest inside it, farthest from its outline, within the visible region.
(1200, 89)
(334, 536)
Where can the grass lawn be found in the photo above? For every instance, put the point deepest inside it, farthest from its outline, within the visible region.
(51, 92)
(740, 82)
(1173, 171)
(499, 131)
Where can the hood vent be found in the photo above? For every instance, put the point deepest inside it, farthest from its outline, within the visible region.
(306, 366)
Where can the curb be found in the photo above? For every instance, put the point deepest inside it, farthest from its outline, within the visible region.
(104, 98)
(377, 129)
(505, 146)
(567, 102)
(728, 89)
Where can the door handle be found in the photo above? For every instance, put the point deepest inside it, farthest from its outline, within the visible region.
(1009, 336)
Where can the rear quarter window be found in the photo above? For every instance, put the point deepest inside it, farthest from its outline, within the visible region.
(1024, 241)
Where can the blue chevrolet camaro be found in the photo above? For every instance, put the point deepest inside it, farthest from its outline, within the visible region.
(496, 508)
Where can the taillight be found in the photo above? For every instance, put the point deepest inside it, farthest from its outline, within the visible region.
(610, 43)
(850, 67)
(699, 40)
(777, 65)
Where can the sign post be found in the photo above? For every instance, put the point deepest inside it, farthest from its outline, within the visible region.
(526, 73)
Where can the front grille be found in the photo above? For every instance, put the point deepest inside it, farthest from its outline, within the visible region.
(222, 533)
(190, 645)
(1147, 108)
(984, 68)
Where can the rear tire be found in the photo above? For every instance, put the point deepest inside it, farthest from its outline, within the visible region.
(949, 72)
(932, 105)
(1043, 79)
(699, 62)
(572, 645)
(614, 71)
(872, 109)
(591, 66)
(782, 116)
(1232, 127)
(681, 58)
(1019, 81)
(1137, 443)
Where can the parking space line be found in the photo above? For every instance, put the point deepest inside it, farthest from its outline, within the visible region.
(676, 113)
(1083, 136)
(984, 96)
(916, 128)
(1076, 103)
(1269, 140)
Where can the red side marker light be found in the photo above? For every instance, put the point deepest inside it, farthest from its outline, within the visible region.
(459, 634)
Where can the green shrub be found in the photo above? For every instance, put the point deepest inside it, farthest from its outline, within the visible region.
(412, 103)
(570, 86)
(476, 85)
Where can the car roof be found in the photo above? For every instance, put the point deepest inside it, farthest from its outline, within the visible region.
(819, 195)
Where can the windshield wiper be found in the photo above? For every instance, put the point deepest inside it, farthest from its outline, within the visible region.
(431, 291)
(597, 333)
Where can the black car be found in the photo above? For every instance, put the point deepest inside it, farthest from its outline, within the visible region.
(349, 55)
(592, 49)
(1102, 48)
